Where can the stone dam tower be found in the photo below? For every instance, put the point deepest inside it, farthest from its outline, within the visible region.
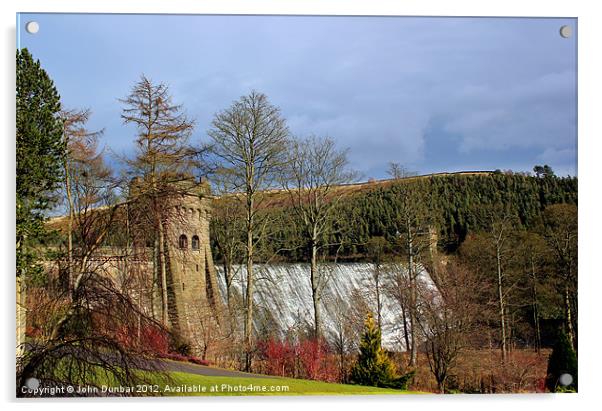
(194, 302)
(136, 265)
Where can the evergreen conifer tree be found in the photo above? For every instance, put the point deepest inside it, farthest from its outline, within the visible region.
(40, 153)
(373, 366)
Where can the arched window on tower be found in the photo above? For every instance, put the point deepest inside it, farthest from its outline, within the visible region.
(196, 244)
(183, 241)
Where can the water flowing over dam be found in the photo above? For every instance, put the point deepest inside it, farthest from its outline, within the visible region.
(283, 297)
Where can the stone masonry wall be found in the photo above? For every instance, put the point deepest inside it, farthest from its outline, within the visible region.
(194, 302)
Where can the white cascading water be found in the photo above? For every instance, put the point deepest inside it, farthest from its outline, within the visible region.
(283, 296)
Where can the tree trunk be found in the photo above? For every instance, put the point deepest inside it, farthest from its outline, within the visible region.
(535, 310)
(568, 314)
(406, 332)
(69, 232)
(378, 302)
(502, 305)
(412, 277)
(126, 254)
(228, 279)
(249, 297)
(315, 290)
(155, 283)
(21, 314)
(69, 220)
(441, 386)
(413, 348)
(163, 273)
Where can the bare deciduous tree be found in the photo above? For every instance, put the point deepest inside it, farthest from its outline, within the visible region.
(492, 253)
(413, 221)
(347, 328)
(532, 252)
(562, 234)
(88, 338)
(81, 146)
(377, 248)
(250, 139)
(501, 223)
(398, 288)
(314, 170)
(448, 318)
(398, 171)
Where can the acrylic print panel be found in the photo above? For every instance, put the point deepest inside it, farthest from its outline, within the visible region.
(276, 205)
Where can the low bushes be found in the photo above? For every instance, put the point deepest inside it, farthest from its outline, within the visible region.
(306, 358)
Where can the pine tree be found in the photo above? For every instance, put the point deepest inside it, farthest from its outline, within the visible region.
(563, 360)
(373, 366)
(40, 151)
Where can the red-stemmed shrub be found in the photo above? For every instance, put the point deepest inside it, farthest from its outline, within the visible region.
(316, 362)
(308, 358)
(279, 356)
(150, 339)
(156, 340)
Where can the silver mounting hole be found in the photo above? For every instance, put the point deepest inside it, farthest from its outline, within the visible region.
(32, 383)
(32, 27)
(566, 380)
(566, 31)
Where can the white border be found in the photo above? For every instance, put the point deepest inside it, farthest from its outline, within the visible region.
(590, 33)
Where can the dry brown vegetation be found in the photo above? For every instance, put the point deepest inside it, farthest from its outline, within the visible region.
(480, 371)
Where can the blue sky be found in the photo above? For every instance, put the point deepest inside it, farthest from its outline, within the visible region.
(435, 94)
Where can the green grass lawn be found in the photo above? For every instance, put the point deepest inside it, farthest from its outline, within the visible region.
(183, 384)
(176, 383)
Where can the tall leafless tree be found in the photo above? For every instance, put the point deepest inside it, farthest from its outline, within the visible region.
(533, 255)
(448, 318)
(413, 221)
(81, 146)
(377, 249)
(250, 139)
(315, 169)
(501, 224)
(492, 252)
(562, 234)
(397, 287)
